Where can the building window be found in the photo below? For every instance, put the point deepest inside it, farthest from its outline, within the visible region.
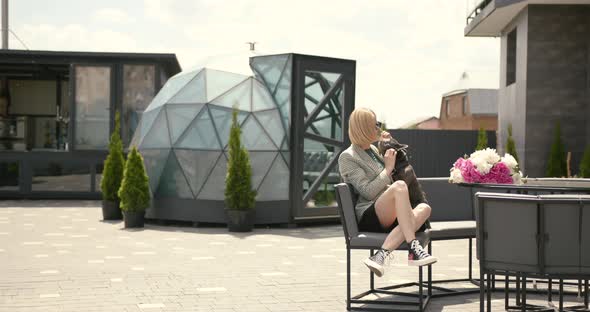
(511, 58)
(464, 105)
(138, 92)
(93, 102)
(448, 107)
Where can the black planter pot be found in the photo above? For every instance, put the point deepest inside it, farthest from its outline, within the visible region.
(111, 210)
(240, 220)
(134, 219)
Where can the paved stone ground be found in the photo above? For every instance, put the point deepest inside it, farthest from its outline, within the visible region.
(60, 256)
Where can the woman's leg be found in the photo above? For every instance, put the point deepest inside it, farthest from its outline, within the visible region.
(395, 203)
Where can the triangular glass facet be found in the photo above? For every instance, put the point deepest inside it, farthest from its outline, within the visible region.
(193, 92)
(200, 134)
(239, 96)
(260, 163)
(197, 166)
(158, 136)
(261, 98)
(145, 123)
(270, 68)
(154, 160)
(276, 184)
(214, 188)
(271, 119)
(171, 88)
(218, 82)
(179, 117)
(254, 138)
(222, 118)
(286, 157)
(173, 183)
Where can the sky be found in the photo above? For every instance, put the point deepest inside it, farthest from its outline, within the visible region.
(408, 53)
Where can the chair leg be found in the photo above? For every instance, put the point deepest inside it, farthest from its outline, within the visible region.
(470, 259)
(348, 290)
(372, 275)
(420, 290)
(506, 293)
(489, 290)
(586, 294)
(481, 290)
(430, 271)
(560, 295)
(524, 293)
(550, 291)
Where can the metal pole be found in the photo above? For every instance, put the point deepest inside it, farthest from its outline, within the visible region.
(4, 24)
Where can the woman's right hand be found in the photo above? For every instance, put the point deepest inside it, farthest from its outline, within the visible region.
(389, 160)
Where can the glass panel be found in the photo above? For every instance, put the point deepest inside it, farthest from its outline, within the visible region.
(261, 98)
(270, 68)
(172, 182)
(316, 157)
(13, 134)
(214, 188)
(9, 173)
(171, 88)
(61, 176)
(200, 134)
(158, 137)
(286, 157)
(92, 101)
(254, 138)
(331, 77)
(154, 160)
(145, 124)
(138, 92)
(179, 117)
(282, 94)
(219, 82)
(239, 96)
(98, 177)
(328, 121)
(271, 119)
(192, 91)
(222, 119)
(260, 163)
(276, 184)
(197, 166)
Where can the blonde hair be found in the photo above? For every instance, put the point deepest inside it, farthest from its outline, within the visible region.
(361, 127)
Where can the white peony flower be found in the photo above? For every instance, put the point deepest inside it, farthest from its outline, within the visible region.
(510, 162)
(456, 176)
(484, 159)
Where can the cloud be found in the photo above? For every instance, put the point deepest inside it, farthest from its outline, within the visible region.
(112, 15)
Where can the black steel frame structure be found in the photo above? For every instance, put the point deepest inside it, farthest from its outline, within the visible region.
(302, 125)
(33, 65)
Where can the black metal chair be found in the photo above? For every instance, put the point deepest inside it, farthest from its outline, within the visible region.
(527, 236)
(346, 199)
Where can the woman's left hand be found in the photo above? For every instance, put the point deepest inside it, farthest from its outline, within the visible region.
(385, 135)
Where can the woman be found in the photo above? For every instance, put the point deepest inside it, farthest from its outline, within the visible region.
(383, 203)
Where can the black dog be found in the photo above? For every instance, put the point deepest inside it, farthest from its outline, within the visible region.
(405, 172)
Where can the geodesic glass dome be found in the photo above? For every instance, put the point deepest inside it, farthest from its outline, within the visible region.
(183, 136)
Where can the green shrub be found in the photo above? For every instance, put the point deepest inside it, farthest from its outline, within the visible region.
(585, 164)
(113, 165)
(135, 190)
(482, 139)
(239, 194)
(556, 166)
(510, 145)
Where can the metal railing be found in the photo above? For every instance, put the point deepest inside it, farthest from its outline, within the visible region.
(477, 10)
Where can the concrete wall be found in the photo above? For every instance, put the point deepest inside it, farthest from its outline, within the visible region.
(557, 85)
(512, 98)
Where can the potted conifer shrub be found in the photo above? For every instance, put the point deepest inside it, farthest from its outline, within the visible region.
(239, 195)
(135, 191)
(112, 175)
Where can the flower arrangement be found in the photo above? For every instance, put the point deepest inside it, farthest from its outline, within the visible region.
(486, 166)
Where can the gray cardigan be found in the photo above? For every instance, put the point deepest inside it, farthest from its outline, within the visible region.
(367, 177)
